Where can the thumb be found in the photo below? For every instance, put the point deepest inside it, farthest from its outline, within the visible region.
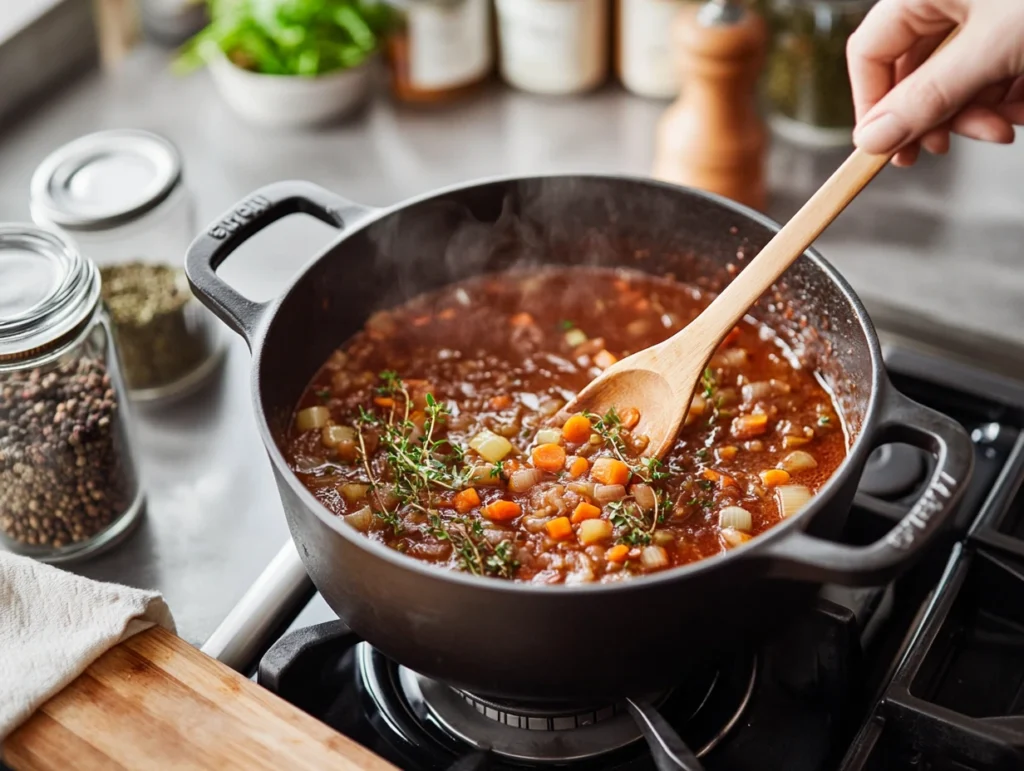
(932, 94)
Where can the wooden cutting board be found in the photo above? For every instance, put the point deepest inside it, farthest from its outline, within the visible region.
(156, 702)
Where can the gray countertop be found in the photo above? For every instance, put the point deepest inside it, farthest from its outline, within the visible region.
(934, 252)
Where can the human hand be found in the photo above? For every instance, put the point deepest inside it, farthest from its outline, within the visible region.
(973, 86)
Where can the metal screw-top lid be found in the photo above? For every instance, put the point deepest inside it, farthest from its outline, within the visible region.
(48, 292)
(105, 179)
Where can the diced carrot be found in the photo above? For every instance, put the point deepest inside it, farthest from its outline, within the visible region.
(720, 479)
(578, 467)
(466, 500)
(447, 314)
(604, 359)
(577, 429)
(629, 417)
(728, 452)
(731, 338)
(548, 457)
(418, 417)
(500, 402)
(585, 511)
(521, 320)
(421, 321)
(748, 426)
(610, 471)
(774, 476)
(384, 401)
(560, 527)
(617, 553)
(502, 511)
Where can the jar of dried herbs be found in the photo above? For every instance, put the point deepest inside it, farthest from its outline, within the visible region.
(120, 196)
(68, 480)
(807, 82)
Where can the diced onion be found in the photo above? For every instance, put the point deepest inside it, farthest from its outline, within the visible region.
(332, 436)
(654, 557)
(484, 475)
(609, 493)
(594, 531)
(586, 489)
(798, 460)
(644, 496)
(794, 441)
(522, 480)
(792, 498)
(734, 538)
(735, 518)
(312, 417)
(491, 447)
(360, 520)
(575, 337)
(696, 409)
(664, 537)
(731, 357)
(752, 392)
(549, 436)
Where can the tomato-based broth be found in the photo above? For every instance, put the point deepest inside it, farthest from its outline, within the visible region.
(437, 429)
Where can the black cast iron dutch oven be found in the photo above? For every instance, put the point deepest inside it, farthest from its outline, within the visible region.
(582, 642)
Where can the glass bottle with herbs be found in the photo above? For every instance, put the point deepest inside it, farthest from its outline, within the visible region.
(807, 83)
(68, 480)
(120, 196)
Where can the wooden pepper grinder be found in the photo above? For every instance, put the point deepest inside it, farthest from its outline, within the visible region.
(713, 137)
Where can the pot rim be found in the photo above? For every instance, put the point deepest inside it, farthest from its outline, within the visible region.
(850, 464)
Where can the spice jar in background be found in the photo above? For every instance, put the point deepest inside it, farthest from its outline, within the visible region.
(553, 46)
(120, 196)
(807, 83)
(440, 49)
(68, 481)
(645, 59)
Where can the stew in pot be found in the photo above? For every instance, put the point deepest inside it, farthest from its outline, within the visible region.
(436, 430)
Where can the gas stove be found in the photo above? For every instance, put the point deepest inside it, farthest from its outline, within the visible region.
(926, 673)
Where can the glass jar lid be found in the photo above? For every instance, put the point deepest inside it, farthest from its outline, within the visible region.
(105, 179)
(48, 291)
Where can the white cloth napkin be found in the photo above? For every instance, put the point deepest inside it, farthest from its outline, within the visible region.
(53, 624)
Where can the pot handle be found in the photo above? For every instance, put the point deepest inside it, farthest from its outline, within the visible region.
(241, 222)
(798, 555)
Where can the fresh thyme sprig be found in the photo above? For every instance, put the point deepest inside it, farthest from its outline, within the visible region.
(475, 553)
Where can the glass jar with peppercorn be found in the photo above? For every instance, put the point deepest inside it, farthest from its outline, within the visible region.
(439, 50)
(807, 82)
(68, 480)
(120, 197)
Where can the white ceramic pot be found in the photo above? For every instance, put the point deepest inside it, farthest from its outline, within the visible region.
(291, 101)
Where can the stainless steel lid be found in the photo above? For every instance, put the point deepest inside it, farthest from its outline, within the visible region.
(48, 291)
(105, 179)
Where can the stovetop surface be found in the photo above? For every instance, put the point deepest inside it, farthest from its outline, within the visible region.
(925, 674)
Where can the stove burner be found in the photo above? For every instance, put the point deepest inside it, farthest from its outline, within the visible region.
(703, 713)
(892, 471)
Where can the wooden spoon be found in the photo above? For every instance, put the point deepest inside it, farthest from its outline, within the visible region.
(659, 381)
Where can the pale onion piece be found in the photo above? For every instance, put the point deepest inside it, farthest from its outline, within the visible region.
(586, 489)
(583, 571)
(332, 436)
(654, 557)
(522, 480)
(734, 538)
(484, 475)
(312, 417)
(753, 392)
(644, 496)
(731, 357)
(697, 407)
(794, 441)
(664, 537)
(549, 436)
(594, 531)
(491, 447)
(352, 491)
(798, 460)
(735, 518)
(609, 493)
(792, 498)
(360, 519)
(575, 337)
